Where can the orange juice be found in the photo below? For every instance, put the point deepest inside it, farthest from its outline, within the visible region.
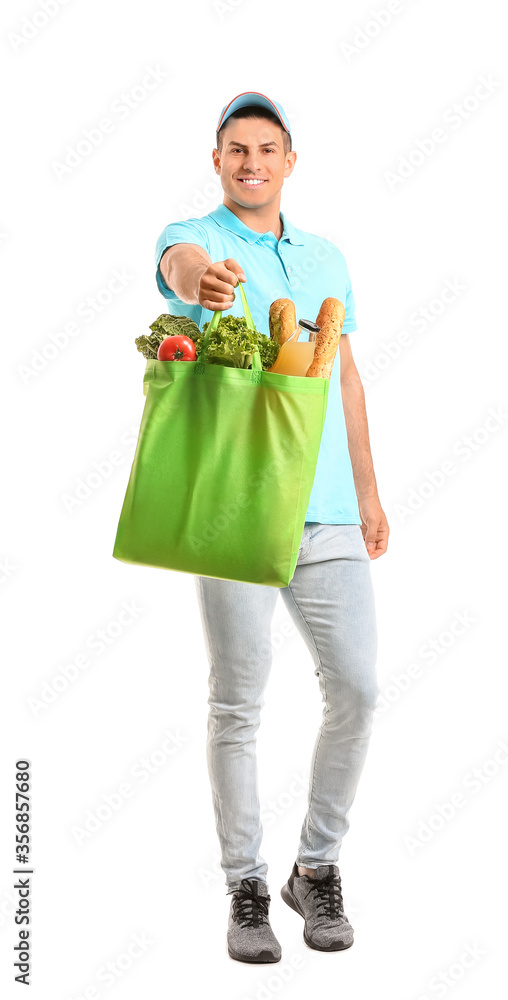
(295, 358)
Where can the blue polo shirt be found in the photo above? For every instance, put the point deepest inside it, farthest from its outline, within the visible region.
(302, 267)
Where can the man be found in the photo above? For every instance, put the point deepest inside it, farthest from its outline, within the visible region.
(330, 597)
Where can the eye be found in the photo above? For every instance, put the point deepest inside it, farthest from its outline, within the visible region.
(237, 149)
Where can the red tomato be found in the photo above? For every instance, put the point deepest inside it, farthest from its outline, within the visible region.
(177, 348)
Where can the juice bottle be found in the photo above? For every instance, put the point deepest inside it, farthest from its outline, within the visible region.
(296, 358)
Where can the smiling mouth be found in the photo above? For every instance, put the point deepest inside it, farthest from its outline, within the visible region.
(248, 182)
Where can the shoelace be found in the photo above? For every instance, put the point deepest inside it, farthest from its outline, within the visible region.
(328, 895)
(249, 909)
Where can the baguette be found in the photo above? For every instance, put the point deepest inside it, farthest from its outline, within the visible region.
(331, 320)
(282, 320)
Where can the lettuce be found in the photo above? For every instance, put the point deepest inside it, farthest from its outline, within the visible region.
(231, 344)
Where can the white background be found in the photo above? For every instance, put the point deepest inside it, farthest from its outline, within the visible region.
(153, 868)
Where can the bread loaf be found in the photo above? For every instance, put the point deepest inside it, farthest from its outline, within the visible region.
(282, 320)
(331, 319)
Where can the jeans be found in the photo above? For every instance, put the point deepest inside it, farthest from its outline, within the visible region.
(331, 601)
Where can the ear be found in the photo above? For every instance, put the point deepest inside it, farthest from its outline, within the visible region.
(291, 159)
(216, 160)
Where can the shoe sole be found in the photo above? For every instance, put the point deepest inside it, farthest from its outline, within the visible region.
(264, 957)
(291, 901)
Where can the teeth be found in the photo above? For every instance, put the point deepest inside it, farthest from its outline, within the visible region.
(250, 182)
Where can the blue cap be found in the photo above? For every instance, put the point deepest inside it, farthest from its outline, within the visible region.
(260, 100)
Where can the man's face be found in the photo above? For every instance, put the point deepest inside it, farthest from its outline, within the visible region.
(252, 150)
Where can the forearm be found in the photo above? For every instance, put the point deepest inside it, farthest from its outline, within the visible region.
(181, 267)
(355, 414)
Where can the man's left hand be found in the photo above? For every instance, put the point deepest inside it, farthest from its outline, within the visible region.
(375, 528)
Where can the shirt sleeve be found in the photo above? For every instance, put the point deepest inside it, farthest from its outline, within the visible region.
(189, 231)
(350, 324)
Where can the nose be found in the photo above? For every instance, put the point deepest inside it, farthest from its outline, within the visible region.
(251, 162)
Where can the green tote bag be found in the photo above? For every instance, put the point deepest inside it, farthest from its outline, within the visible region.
(223, 469)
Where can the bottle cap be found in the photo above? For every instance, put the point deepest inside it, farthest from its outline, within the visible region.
(306, 324)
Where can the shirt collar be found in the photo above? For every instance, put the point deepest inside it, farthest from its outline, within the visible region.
(227, 219)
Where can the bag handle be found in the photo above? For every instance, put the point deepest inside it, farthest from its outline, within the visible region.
(256, 357)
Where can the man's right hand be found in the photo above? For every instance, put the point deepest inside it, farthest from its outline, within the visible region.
(217, 284)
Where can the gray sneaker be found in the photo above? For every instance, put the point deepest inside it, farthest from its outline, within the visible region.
(319, 901)
(250, 937)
